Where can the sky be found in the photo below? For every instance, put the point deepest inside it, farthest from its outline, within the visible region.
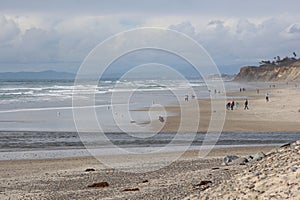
(57, 35)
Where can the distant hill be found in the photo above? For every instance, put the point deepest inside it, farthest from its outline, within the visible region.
(287, 69)
(43, 75)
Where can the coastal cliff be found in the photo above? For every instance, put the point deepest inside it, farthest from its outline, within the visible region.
(283, 70)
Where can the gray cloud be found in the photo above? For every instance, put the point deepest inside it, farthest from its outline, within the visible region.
(62, 33)
(245, 42)
(9, 30)
(228, 8)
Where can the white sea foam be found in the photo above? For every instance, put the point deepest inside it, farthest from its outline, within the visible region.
(56, 108)
(46, 91)
(34, 105)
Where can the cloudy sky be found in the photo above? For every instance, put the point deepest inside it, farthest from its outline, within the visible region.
(50, 34)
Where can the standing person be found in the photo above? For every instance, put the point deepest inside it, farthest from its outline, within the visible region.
(267, 97)
(232, 105)
(246, 105)
(186, 98)
(228, 106)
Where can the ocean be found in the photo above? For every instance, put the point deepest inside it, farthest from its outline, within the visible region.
(37, 119)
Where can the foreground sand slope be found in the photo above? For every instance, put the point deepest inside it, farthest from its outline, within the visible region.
(277, 176)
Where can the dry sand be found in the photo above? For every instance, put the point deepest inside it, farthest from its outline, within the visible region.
(280, 114)
(67, 179)
(276, 176)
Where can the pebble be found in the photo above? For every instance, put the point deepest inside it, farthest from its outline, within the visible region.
(257, 174)
(229, 159)
(263, 177)
(271, 176)
(294, 168)
(251, 186)
(240, 161)
(258, 156)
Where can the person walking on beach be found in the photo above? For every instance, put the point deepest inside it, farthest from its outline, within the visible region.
(186, 98)
(228, 105)
(232, 105)
(267, 97)
(246, 105)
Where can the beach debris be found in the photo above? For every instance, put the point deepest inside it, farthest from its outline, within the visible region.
(215, 168)
(228, 159)
(145, 181)
(99, 185)
(90, 170)
(131, 190)
(203, 185)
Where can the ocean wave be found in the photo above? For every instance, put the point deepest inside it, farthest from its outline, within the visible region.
(44, 91)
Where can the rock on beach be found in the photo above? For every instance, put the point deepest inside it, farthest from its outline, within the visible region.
(275, 175)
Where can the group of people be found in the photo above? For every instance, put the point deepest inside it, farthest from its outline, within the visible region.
(242, 89)
(186, 98)
(232, 104)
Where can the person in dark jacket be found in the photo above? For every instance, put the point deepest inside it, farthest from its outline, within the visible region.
(232, 105)
(246, 105)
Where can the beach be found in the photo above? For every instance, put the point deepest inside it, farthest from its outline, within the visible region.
(280, 114)
(88, 178)
(155, 100)
(68, 179)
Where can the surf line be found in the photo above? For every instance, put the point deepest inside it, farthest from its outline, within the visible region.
(58, 108)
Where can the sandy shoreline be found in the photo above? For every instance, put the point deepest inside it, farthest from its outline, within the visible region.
(280, 114)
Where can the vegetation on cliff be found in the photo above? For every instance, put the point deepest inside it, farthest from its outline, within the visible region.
(286, 69)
